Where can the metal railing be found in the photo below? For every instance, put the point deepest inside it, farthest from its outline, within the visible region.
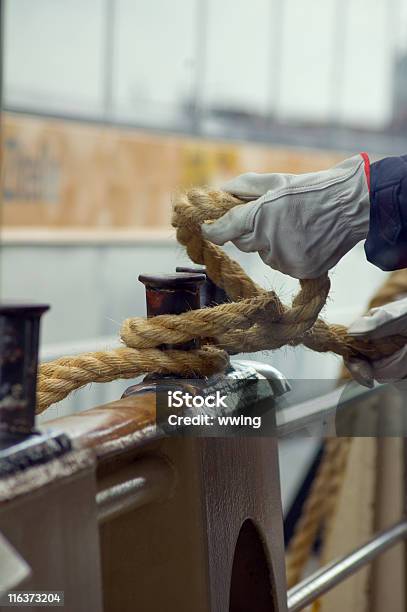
(323, 580)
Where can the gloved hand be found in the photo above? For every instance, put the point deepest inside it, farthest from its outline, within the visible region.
(386, 320)
(300, 224)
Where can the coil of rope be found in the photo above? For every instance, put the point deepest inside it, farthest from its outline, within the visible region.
(255, 320)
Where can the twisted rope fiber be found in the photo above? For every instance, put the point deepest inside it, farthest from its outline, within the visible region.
(319, 506)
(255, 320)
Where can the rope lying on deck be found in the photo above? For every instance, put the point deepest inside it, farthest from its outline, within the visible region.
(255, 320)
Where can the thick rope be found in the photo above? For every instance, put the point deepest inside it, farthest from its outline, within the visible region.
(256, 320)
(58, 378)
(319, 506)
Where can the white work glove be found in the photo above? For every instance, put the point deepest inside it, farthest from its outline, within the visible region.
(300, 224)
(387, 320)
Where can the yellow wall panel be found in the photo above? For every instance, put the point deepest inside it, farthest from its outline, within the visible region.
(64, 174)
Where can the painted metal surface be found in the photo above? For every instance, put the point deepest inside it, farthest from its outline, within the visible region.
(173, 294)
(211, 294)
(169, 294)
(21, 445)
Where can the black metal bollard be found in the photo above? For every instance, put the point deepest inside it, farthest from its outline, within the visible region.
(211, 294)
(173, 294)
(21, 444)
(19, 339)
(169, 294)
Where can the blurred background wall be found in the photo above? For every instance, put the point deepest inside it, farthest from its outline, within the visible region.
(211, 67)
(109, 106)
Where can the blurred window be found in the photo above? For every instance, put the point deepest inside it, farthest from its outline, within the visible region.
(236, 77)
(222, 66)
(307, 60)
(54, 56)
(368, 63)
(155, 46)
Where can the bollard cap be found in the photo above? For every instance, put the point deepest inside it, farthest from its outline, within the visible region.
(171, 281)
(191, 269)
(12, 309)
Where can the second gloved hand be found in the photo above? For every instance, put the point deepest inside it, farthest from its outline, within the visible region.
(300, 224)
(387, 320)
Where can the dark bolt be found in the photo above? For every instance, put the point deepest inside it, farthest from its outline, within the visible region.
(173, 294)
(19, 338)
(211, 294)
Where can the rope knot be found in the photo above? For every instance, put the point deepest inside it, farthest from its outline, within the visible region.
(255, 320)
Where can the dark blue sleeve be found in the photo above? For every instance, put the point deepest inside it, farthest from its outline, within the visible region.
(386, 244)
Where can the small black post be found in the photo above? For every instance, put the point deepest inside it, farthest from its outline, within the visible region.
(19, 340)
